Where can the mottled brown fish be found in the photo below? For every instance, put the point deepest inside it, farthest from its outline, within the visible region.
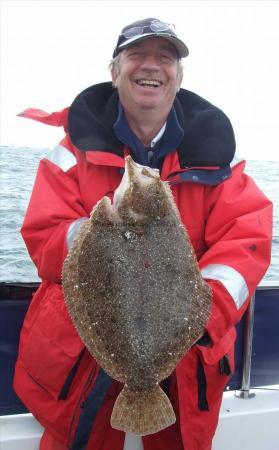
(136, 296)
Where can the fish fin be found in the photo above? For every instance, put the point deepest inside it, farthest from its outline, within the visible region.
(142, 413)
(104, 212)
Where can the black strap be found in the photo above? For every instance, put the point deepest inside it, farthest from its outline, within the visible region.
(224, 366)
(202, 385)
(92, 405)
(205, 340)
(68, 382)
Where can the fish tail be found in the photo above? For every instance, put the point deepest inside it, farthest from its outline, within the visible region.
(142, 413)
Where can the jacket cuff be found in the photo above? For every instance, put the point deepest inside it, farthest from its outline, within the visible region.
(224, 314)
(73, 230)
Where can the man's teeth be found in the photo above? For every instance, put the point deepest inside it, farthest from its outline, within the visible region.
(153, 83)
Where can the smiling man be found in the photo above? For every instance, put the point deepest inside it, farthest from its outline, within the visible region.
(145, 113)
(147, 75)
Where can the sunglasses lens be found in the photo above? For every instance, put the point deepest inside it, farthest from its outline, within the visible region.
(131, 32)
(156, 25)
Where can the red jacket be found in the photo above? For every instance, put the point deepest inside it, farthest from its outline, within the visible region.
(229, 223)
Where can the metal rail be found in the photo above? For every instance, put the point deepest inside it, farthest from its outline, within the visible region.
(244, 392)
(247, 352)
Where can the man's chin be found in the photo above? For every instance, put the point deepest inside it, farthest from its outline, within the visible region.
(149, 105)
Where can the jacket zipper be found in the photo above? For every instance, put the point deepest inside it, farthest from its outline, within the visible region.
(80, 403)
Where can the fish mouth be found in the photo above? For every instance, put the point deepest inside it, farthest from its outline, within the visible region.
(137, 170)
(134, 174)
(149, 83)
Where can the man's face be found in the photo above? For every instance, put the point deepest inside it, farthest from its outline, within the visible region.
(148, 76)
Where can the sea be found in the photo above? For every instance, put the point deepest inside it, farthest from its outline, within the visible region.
(18, 166)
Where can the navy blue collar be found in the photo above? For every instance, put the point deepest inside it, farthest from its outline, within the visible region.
(152, 157)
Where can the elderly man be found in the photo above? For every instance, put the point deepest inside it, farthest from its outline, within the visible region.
(143, 112)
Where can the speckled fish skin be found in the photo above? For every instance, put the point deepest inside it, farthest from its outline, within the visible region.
(136, 296)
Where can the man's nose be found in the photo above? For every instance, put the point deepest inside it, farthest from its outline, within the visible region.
(150, 62)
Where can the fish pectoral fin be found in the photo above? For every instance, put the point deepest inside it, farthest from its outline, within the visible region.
(142, 413)
(104, 212)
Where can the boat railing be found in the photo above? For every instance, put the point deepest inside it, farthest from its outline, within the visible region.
(245, 390)
(257, 347)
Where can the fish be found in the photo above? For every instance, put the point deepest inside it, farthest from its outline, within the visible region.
(135, 294)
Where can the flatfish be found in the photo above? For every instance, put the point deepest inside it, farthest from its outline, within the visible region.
(135, 295)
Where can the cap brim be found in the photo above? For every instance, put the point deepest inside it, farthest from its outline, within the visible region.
(181, 48)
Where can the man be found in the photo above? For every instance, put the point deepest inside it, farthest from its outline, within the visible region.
(145, 114)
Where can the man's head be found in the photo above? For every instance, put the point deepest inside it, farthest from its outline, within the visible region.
(146, 68)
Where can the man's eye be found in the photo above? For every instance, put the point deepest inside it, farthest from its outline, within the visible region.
(134, 54)
(167, 57)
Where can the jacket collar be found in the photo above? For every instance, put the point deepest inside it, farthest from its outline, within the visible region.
(169, 139)
(208, 140)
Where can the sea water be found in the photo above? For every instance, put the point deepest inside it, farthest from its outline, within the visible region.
(18, 168)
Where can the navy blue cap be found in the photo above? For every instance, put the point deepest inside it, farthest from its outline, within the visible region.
(146, 28)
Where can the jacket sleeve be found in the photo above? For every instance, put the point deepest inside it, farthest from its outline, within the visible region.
(54, 213)
(238, 236)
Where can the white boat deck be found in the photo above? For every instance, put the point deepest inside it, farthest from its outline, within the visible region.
(246, 424)
(249, 424)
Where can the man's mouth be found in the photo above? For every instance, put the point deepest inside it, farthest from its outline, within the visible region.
(149, 83)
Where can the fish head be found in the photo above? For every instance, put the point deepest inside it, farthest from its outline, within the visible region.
(141, 195)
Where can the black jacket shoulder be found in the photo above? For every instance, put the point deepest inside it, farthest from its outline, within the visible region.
(208, 134)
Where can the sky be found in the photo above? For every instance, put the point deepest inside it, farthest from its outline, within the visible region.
(52, 50)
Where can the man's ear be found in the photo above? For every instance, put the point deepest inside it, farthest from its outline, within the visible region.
(115, 70)
(179, 77)
(114, 76)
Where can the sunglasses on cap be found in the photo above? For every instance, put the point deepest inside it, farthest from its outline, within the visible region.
(155, 26)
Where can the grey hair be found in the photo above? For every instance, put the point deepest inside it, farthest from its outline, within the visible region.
(114, 65)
